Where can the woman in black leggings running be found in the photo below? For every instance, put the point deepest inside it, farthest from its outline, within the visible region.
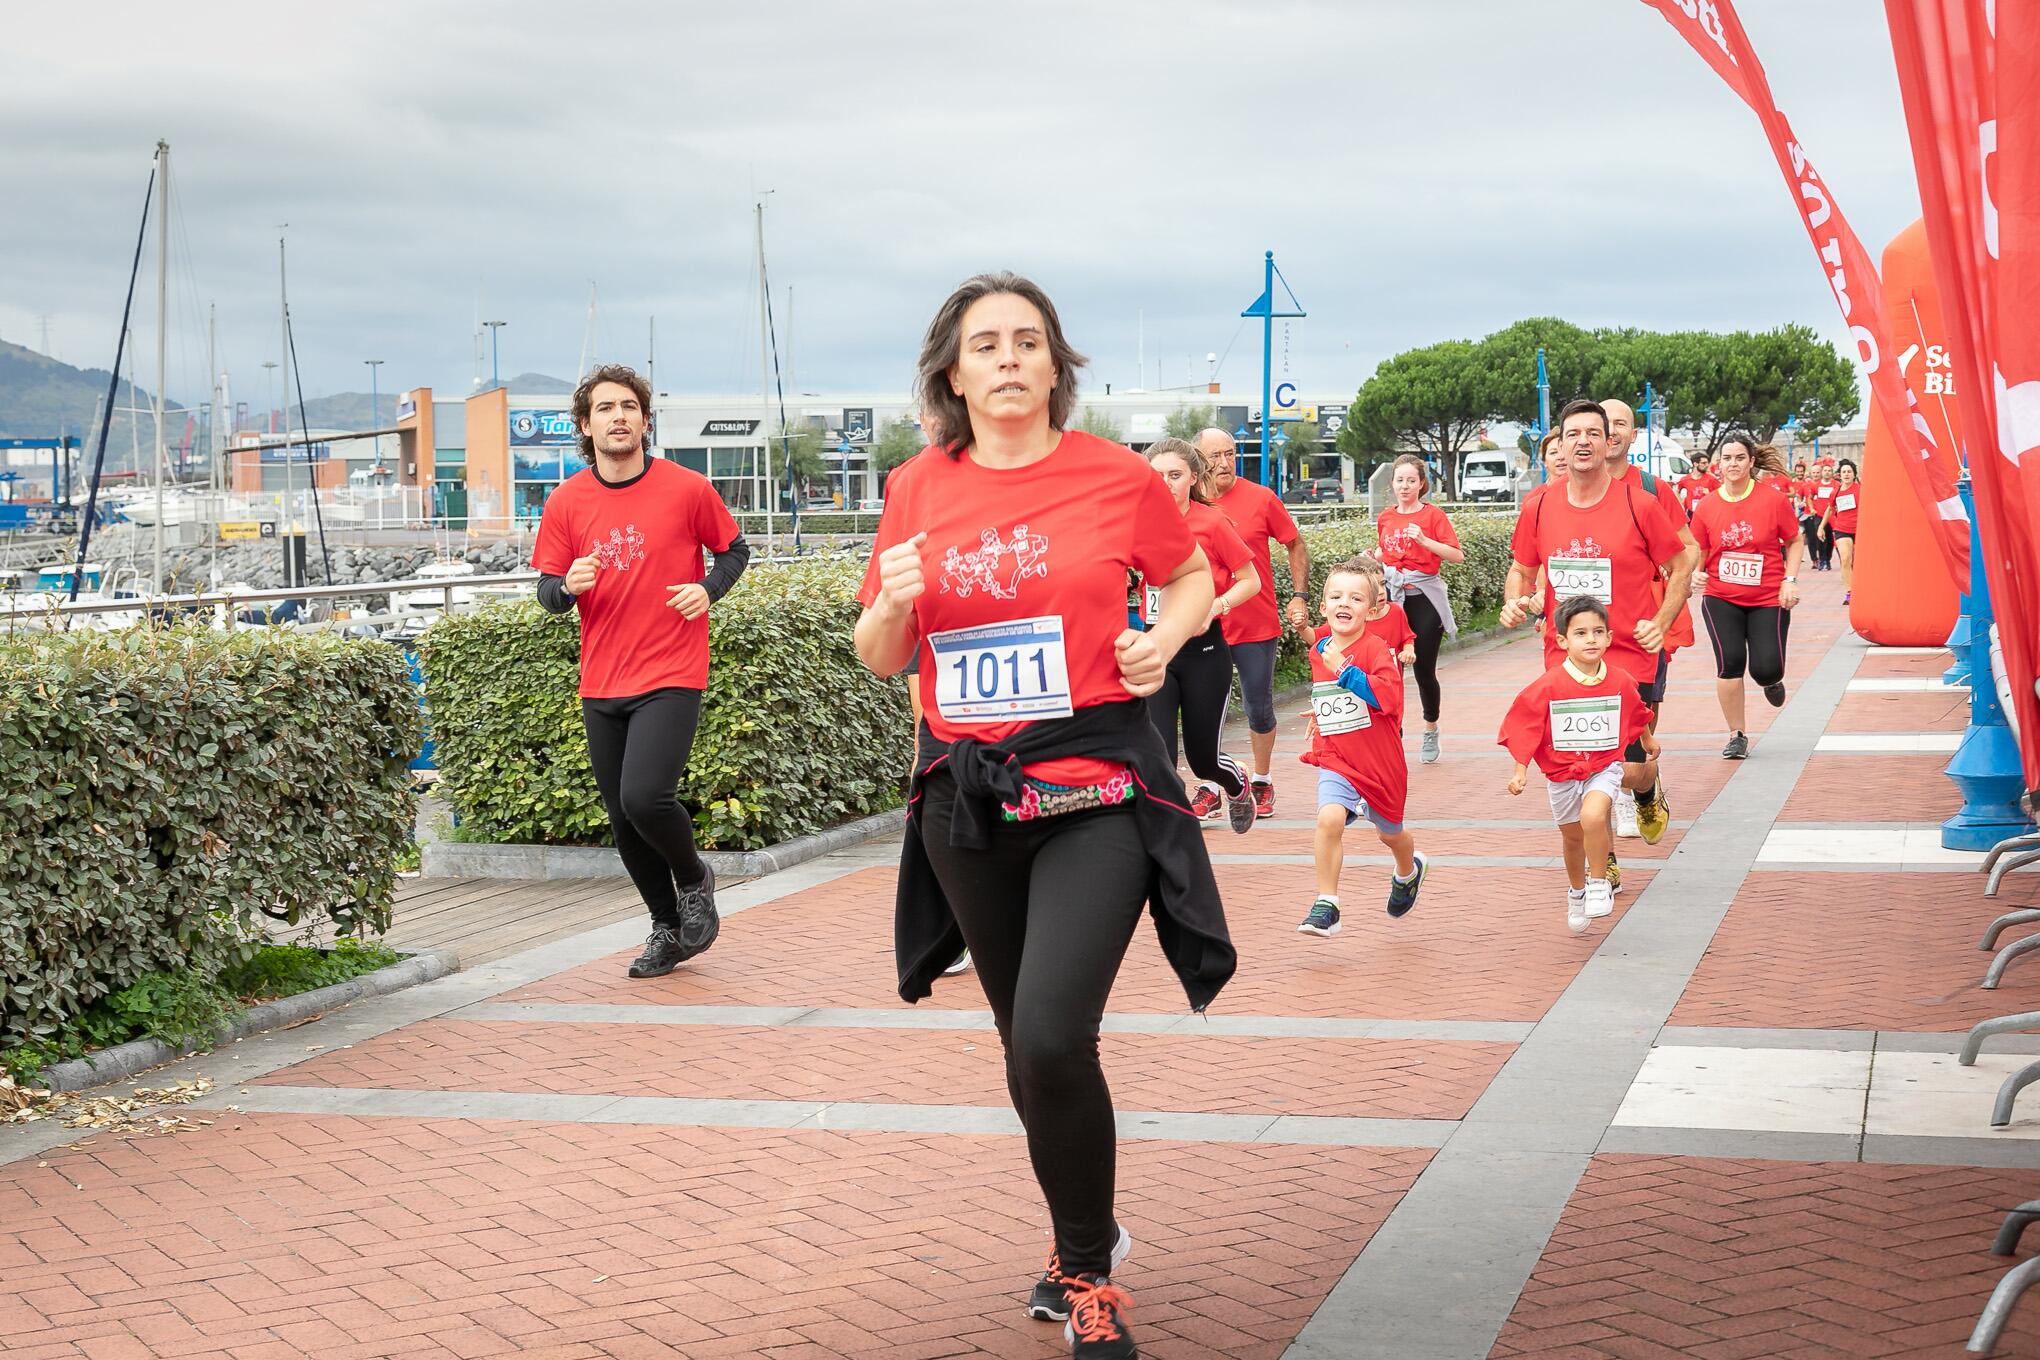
(1415, 540)
(1750, 544)
(1044, 813)
(1199, 678)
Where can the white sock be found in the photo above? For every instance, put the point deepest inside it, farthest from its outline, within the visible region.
(1208, 784)
(1576, 892)
(1332, 898)
(1264, 779)
(1409, 877)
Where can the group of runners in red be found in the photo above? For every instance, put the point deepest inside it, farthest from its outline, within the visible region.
(1068, 609)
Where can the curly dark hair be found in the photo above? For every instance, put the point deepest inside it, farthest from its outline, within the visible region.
(584, 401)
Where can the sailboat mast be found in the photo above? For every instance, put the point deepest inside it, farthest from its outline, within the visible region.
(289, 525)
(212, 434)
(765, 385)
(162, 338)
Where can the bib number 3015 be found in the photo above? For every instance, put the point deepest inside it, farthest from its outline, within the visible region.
(1002, 672)
(1740, 569)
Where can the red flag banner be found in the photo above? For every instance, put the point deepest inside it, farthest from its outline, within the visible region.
(1716, 33)
(1955, 76)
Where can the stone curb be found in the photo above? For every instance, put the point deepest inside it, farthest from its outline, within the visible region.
(459, 859)
(125, 1060)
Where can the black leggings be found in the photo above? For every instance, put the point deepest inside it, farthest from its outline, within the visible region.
(1819, 546)
(1747, 634)
(639, 748)
(1195, 689)
(1430, 631)
(1048, 909)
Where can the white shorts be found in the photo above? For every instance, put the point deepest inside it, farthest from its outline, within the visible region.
(1567, 796)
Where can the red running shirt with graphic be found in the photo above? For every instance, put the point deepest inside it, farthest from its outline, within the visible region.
(1371, 758)
(1743, 544)
(1259, 515)
(649, 533)
(1393, 628)
(1628, 529)
(1398, 545)
(1056, 537)
(1526, 727)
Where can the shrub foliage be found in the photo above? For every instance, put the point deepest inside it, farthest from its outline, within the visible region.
(159, 790)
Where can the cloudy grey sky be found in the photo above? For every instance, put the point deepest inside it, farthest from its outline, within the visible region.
(1423, 169)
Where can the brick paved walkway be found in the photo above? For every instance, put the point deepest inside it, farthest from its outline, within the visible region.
(1722, 1123)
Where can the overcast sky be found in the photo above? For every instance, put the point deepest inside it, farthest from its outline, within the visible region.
(1422, 170)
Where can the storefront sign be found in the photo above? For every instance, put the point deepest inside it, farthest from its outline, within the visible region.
(728, 428)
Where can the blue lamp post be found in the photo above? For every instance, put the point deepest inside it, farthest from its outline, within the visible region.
(1543, 416)
(1240, 437)
(1264, 308)
(1986, 766)
(844, 449)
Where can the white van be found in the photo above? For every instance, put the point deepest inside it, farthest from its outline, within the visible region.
(1485, 476)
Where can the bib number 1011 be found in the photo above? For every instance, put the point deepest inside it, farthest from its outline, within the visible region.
(1002, 672)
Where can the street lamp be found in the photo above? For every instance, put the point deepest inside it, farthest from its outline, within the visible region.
(845, 449)
(495, 373)
(269, 391)
(375, 411)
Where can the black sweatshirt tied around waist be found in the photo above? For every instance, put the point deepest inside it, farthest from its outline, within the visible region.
(1182, 894)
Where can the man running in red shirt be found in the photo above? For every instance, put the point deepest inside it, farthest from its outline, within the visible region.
(1610, 539)
(621, 540)
(1253, 630)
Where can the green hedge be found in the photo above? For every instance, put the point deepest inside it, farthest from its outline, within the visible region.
(160, 789)
(796, 734)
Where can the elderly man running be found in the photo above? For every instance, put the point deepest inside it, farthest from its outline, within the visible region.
(1253, 630)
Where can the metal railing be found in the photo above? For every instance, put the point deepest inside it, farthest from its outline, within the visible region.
(13, 614)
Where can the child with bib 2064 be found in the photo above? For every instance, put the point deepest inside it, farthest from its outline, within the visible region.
(1356, 743)
(1573, 723)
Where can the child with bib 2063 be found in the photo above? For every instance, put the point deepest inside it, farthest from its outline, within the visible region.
(1356, 743)
(1573, 723)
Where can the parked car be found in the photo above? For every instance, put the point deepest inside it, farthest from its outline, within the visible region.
(1316, 491)
(870, 506)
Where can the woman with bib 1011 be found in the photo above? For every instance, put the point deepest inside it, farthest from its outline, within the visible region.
(1044, 811)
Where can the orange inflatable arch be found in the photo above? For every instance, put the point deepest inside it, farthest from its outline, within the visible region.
(1903, 597)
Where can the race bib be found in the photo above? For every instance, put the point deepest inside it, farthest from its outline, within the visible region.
(1339, 710)
(1845, 502)
(1593, 724)
(1740, 569)
(1002, 672)
(1151, 605)
(1572, 576)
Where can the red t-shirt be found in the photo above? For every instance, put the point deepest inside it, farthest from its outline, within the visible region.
(1398, 545)
(1259, 515)
(1222, 549)
(1694, 489)
(1393, 628)
(1679, 632)
(1370, 756)
(649, 533)
(1629, 532)
(1050, 545)
(1846, 503)
(1743, 544)
(1570, 730)
(1820, 494)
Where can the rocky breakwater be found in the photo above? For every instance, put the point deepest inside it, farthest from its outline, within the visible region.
(260, 564)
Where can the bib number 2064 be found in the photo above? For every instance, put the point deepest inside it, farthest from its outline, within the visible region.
(1002, 672)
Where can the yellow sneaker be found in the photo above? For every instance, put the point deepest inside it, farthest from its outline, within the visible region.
(1653, 814)
(1614, 874)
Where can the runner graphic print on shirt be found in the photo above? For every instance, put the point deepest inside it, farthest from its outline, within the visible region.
(623, 547)
(986, 568)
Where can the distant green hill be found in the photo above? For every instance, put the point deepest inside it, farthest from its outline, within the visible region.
(41, 398)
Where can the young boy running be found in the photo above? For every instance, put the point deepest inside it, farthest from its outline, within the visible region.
(1356, 743)
(1573, 723)
(1387, 620)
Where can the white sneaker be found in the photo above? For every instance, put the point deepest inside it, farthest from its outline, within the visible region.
(1600, 898)
(1625, 815)
(1576, 909)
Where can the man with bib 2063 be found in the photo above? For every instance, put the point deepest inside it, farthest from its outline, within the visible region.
(1612, 541)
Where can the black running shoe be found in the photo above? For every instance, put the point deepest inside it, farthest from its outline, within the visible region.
(1402, 894)
(1097, 1326)
(1050, 1299)
(1774, 694)
(1738, 748)
(662, 954)
(699, 921)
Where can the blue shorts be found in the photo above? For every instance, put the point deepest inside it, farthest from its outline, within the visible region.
(1334, 788)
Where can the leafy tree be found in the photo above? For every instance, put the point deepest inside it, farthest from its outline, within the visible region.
(1509, 361)
(898, 440)
(1432, 401)
(1305, 442)
(1718, 384)
(1185, 422)
(1101, 423)
(802, 451)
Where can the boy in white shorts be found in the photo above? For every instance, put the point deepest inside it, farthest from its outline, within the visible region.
(1574, 723)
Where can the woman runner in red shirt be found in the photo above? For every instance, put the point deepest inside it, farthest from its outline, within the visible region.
(1415, 540)
(1044, 812)
(1839, 522)
(1749, 546)
(1200, 675)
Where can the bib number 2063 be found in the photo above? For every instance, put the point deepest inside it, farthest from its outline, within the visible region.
(1002, 672)
(1590, 576)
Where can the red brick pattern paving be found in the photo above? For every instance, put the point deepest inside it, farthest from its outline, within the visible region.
(1483, 944)
(1902, 711)
(1705, 1259)
(1221, 1075)
(1873, 788)
(1928, 667)
(352, 1238)
(1858, 951)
